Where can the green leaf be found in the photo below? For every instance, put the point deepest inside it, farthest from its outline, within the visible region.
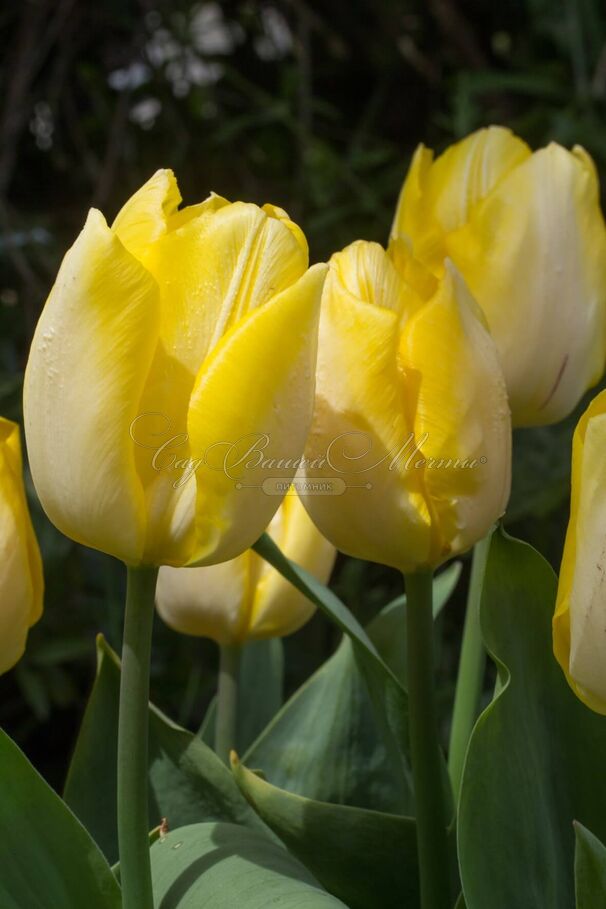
(47, 858)
(230, 867)
(366, 858)
(386, 691)
(589, 870)
(187, 782)
(260, 693)
(536, 757)
(325, 742)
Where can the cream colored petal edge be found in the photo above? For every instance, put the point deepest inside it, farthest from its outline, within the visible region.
(257, 384)
(87, 367)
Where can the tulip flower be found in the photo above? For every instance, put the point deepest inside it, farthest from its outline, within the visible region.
(411, 430)
(21, 580)
(174, 348)
(580, 614)
(526, 232)
(245, 599)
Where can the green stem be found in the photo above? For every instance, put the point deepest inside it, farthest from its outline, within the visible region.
(426, 758)
(227, 701)
(471, 670)
(133, 723)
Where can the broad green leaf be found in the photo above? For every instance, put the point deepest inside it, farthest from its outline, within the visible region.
(386, 691)
(224, 866)
(260, 693)
(47, 858)
(325, 743)
(589, 870)
(536, 757)
(366, 858)
(187, 782)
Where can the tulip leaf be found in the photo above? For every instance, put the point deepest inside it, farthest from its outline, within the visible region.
(325, 743)
(187, 782)
(386, 691)
(366, 858)
(589, 870)
(47, 858)
(225, 866)
(536, 757)
(260, 693)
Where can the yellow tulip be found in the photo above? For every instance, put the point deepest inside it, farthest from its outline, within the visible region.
(21, 580)
(245, 599)
(411, 430)
(580, 615)
(171, 343)
(526, 232)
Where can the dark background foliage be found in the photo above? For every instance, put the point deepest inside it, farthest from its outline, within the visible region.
(315, 106)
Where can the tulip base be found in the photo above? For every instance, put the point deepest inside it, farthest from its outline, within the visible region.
(426, 758)
(133, 731)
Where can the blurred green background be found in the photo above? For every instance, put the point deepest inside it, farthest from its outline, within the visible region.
(314, 106)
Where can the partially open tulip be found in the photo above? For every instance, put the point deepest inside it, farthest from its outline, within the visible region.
(245, 599)
(21, 580)
(174, 346)
(579, 623)
(408, 458)
(526, 232)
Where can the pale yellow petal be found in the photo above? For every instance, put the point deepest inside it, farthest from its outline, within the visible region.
(439, 196)
(21, 580)
(212, 269)
(462, 423)
(144, 218)
(534, 257)
(253, 401)
(278, 608)
(362, 422)
(579, 619)
(212, 602)
(88, 364)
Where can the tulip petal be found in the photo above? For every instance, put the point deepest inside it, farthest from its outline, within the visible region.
(88, 364)
(211, 602)
(215, 268)
(461, 416)
(578, 624)
(278, 608)
(362, 426)
(144, 217)
(439, 197)
(21, 580)
(257, 384)
(533, 256)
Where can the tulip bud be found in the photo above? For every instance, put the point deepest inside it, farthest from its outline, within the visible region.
(245, 599)
(21, 580)
(173, 360)
(579, 621)
(408, 458)
(526, 232)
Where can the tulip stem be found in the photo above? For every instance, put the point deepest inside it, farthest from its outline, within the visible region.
(133, 729)
(227, 701)
(470, 676)
(426, 758)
